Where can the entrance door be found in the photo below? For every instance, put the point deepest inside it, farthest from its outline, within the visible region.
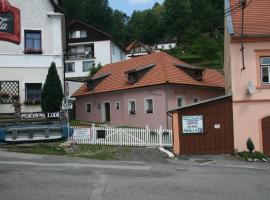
(266, 135)
(107, 112)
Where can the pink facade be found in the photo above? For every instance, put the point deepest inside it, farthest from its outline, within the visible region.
(248, 109)
(164, 98)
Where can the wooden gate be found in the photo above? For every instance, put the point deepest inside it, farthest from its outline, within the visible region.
(266, 135)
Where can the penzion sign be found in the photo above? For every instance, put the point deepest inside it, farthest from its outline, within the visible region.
(10, 23)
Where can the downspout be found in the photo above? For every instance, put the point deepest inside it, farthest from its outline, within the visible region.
(167, 107)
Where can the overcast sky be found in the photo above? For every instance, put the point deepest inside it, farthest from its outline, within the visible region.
(128, 6)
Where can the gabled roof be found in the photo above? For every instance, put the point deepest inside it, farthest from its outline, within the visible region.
(163, 71)
(256, 18)
(135, 44)
(97, 30)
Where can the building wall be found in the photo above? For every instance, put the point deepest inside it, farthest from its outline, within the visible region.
(17, 66)
(227, 62)
(117, 53)
(249, 109)
(38, 75)
(164, 99)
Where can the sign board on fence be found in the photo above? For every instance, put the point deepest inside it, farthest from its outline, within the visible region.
(192, 124)
(82, 132)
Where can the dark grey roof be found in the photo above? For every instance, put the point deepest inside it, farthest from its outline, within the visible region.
(201, 102)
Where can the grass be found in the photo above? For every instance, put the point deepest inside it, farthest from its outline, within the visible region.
(84, 151)
(246, 155)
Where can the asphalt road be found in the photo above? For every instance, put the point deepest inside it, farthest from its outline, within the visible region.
(31, 177)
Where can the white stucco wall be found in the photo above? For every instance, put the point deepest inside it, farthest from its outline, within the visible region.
(17, 66)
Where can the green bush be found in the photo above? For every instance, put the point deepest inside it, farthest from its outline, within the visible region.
(246, 155)
(250, 145)
(52, 91)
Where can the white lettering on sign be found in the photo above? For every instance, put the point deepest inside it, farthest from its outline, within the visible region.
(26, 116)
(3, 23)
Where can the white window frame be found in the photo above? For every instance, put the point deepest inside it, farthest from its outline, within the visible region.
(264, 66)
(129, 106)
(145, 105)
(115, 105)
(67, 67)
(86, 108)
(199, 99)
(183, 101)
(93, 65)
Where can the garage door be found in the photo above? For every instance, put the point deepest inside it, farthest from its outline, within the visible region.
(266, 135)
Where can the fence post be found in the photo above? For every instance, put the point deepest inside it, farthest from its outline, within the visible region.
(121, 136)
(160, 136)
(147, 135)
(94, 134)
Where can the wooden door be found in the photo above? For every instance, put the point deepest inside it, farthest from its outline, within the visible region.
(266, 135)
(108, 112)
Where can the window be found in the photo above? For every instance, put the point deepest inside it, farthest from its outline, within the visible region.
(32, 41)
(88, 65)
(170, 46)
(73, 50)
(265, 70)
(148, 106)
(83, 34)
(180, 102)
(88, 108)
(33, 93)
(117, 105)
(132, 78)
(132, 107)
(78, 34)
(70, 67)
(196, 99)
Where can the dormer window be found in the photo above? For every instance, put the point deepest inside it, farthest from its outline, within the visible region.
(94, 81)
(78, 34)
(198, 75)
(136, 74)
(132, 78)
(195, 72)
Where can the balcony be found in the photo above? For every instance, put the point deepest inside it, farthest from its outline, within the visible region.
(79, 56)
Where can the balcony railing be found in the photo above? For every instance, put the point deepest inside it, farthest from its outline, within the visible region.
(71, 56)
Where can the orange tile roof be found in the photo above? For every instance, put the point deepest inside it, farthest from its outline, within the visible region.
(163, 72)
(256, 18)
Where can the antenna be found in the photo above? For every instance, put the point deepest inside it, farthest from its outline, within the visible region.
(251, 88)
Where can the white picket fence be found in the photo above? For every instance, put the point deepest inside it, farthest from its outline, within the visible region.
(122, 136)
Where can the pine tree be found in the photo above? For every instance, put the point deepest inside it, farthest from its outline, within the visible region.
(52, 92)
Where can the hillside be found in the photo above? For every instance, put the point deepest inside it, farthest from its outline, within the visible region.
(197, 25)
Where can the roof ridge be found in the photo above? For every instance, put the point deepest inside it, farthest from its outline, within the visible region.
(163, 68)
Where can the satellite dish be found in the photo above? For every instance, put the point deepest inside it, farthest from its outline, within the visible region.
(251, 88)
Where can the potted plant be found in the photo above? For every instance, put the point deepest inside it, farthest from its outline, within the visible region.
(32, 51)
(149, 111)
(132, 112)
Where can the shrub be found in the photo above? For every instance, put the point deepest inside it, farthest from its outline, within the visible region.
(250, 145)
(52, 91)
(249, 155)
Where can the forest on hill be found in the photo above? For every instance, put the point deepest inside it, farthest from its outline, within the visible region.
(196, 24)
